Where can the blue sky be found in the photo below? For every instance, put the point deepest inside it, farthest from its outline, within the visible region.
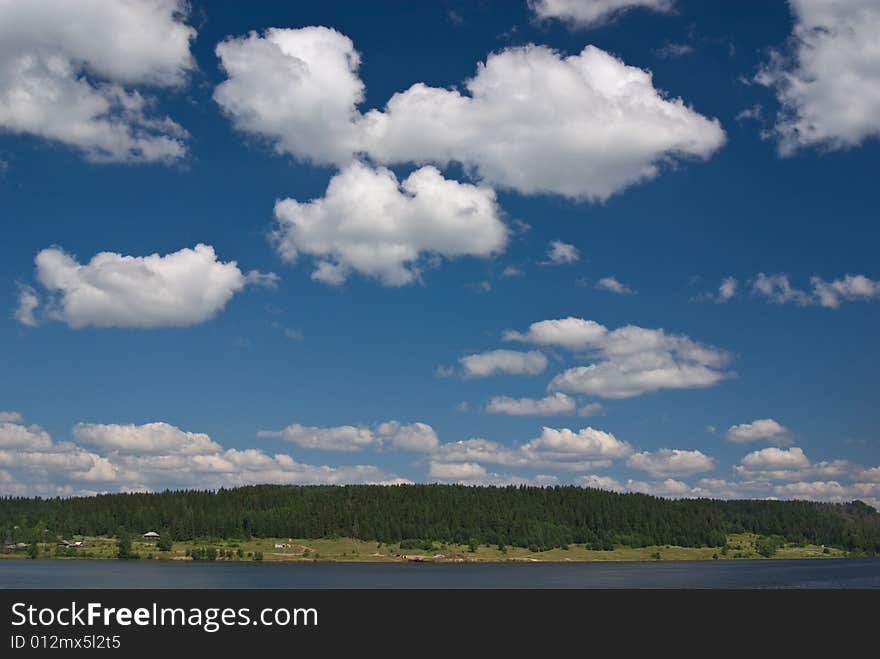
(714, 166)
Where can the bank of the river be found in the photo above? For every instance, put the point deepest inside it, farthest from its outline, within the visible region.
(298, 550)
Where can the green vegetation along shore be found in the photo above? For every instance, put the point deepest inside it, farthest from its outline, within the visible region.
(429, 523)
(738, 545)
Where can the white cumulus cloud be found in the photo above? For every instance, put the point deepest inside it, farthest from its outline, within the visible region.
(510, 362)
(560, 253)
(369, 222)
(671, 462)
(584, 126)
(299, 88)
(828, 80)
(183, 288)
(556, 403)
(67, 68)
(146, 439)
(768, 429)
(419, 437)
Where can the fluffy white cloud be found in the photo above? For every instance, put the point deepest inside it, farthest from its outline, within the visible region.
(151, 457)
(560, 449)
(777, 464)
(630, 360)
(768, 429)
(456, 470)
(584, 126)
(830, 294)
(772, 459)
(871, 475)
(65, 65)
(612, 285)
(777, 288)
(589, 13)
(179, 289)
(419, 437)
(560, 253)
(14, 435)
(726, 291)
(512, 362)
(671, 462)
(299, 88)
(147, 439)
(369, 222)
(828, 84)
(562, 444)
(571, 333)
(851, 288)
(556, 403)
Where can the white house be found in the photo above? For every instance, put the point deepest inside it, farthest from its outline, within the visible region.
(151, 535)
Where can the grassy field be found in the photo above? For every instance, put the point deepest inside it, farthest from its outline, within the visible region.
(743, 545)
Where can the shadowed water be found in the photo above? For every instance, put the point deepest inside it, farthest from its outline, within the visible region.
(828, 573)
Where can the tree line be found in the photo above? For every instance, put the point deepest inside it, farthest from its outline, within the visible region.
(534, 517)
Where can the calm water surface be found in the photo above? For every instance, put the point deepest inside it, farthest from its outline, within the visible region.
(828, 573)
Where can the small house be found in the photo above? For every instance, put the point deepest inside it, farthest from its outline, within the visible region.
(151, 535)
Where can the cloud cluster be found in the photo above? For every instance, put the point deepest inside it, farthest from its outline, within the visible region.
(591, 13)
(418, 437)
(766, 429)
(369, 222)
(777, 288)
(559, 449)
(828, 81)
(584, 126)
(183, 288)
(67, 68)
(152, 456)
(629, 361)
(777, 464)
(727, 290)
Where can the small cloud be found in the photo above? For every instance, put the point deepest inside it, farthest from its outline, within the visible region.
(28, 301)
(711, 429)
(612, 285)
(753, 113)
(726, 292)
(454, 17)
(481, 287)
(519, 227)
(292, 333)
(560, 253)
(512, 271)
(444, 372)
(463, 407)
(673, 50)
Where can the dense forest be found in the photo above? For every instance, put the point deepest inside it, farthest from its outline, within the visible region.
(534, 517)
